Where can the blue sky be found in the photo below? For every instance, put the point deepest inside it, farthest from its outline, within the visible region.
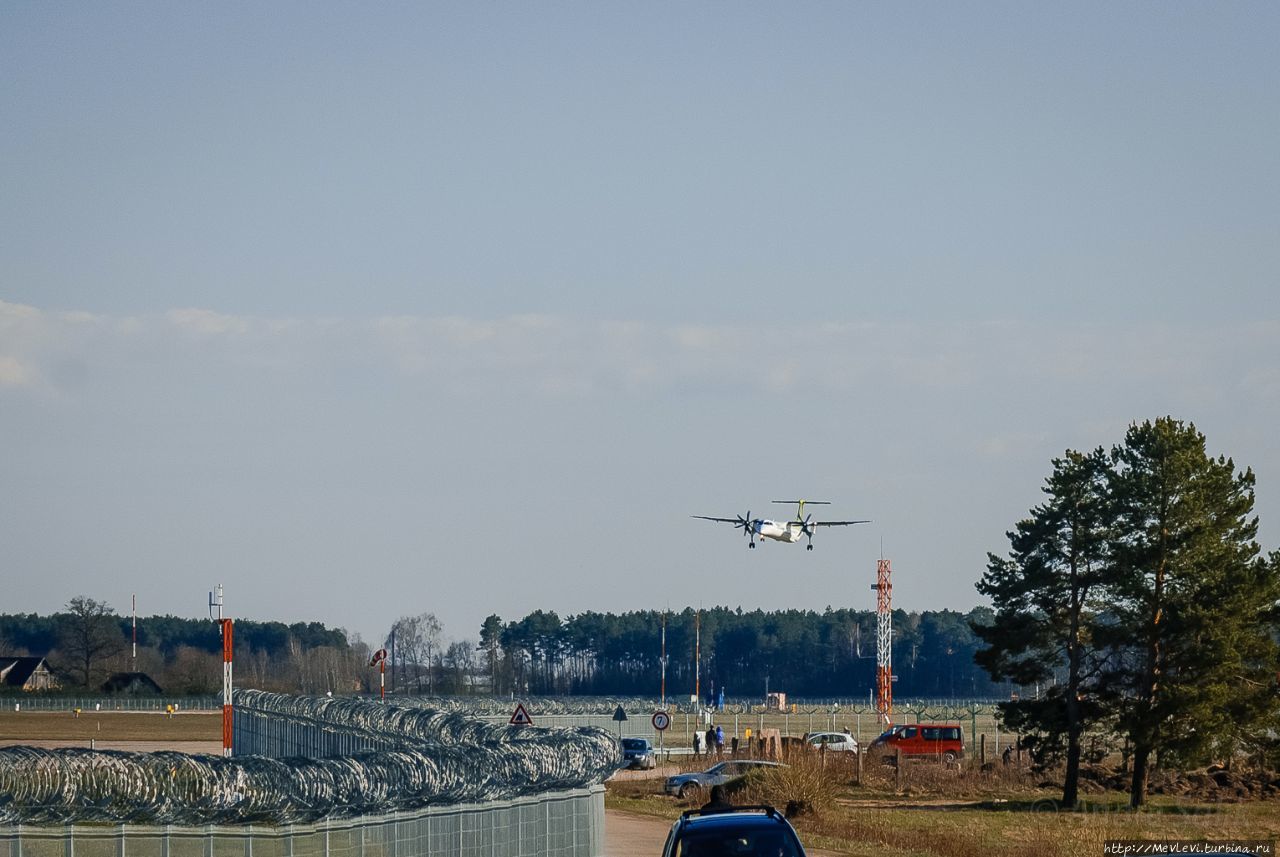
(465, 308)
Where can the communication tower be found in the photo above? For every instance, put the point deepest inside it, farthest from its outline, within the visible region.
(884, 642)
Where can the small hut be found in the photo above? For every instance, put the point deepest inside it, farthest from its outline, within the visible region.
(26, 674)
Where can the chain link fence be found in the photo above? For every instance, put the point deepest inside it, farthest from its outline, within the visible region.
(554, 824)
(40, 702)
(324, 777)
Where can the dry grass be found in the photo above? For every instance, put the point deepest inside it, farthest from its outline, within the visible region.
(962, 812)
(1027, 828)
(805, 786)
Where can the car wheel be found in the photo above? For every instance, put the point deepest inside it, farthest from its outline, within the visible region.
(949, 757)
(687, 790)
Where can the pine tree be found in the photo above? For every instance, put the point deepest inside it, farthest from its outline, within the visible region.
(1046, 598)
(1192, 599)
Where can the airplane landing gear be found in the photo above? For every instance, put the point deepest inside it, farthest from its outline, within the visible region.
(808, 547)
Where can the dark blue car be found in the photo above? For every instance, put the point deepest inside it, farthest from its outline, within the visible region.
(745, 831)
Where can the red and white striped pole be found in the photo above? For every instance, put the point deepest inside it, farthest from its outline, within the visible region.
(226, 686)
(224, 625)
(380, 658)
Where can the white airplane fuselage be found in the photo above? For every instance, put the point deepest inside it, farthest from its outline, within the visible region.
(788, 532)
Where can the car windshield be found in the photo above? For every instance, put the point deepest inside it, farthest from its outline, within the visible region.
(633, 743)
(715, 769)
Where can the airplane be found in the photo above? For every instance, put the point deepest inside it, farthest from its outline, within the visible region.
(787, 531)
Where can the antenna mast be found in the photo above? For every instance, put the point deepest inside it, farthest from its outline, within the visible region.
(884, 642)
(135, 632)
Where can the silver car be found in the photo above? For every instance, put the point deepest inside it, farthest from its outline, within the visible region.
(684, 785)
(638, 753)
(841, 742)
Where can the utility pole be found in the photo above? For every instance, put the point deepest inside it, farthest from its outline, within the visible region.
(697, 656)
(664, 659)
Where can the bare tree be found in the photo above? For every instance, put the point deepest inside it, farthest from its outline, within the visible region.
(90, 634)
(416, 641)
(193, 670)
(460, 661)
(430, 627)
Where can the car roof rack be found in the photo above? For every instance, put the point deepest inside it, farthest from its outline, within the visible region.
(720, 810)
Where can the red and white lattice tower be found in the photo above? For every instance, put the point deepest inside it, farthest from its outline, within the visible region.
(884, 642)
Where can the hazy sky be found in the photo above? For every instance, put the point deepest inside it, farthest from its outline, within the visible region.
(366, 310)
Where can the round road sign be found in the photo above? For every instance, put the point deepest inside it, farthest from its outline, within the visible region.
(661, 720)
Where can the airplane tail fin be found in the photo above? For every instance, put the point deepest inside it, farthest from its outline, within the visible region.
(800, 504)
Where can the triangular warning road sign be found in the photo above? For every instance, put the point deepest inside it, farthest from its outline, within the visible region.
(520, 717)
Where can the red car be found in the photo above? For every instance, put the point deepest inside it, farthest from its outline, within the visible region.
(943, 741)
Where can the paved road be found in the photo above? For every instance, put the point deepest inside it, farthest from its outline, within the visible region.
(627, 835)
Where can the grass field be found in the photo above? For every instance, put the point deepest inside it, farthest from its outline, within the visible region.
(941, 813)
(109, 727)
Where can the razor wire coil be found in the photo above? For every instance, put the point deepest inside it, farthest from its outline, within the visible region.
(424, 756)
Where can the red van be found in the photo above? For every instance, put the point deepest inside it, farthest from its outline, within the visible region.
(943, 741)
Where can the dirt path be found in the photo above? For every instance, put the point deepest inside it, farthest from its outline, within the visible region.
(627, 835)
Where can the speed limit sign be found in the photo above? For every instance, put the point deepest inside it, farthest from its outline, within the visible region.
(661, 720)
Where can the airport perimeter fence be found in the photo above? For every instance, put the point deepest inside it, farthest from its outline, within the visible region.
(40, 702)
(554, 824)
(327, 778)
(978, 718)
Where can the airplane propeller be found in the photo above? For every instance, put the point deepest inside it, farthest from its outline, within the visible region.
(807, 528)
(748, 528)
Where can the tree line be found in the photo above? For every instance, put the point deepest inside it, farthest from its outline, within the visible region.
(1139, 585)
(88, 641)
(804, 653)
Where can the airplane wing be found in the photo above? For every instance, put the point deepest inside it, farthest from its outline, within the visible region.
(837, 523)
(721, 520)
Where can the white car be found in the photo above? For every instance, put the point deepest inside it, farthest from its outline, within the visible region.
(837, 742)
